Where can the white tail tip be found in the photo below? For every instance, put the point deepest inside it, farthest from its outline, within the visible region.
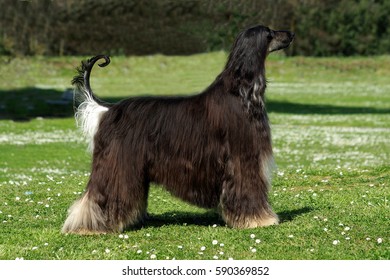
(88, 116)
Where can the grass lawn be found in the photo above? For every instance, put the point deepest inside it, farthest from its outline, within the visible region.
(331, 129)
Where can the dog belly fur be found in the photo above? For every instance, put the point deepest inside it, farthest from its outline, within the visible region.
(192, 182)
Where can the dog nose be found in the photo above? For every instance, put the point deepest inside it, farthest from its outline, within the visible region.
(292, 35)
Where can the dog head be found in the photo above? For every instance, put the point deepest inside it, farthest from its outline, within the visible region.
(262, 38)
(279, 39)
(246, 63)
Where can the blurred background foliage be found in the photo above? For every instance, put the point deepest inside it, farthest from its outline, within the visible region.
(129, 27)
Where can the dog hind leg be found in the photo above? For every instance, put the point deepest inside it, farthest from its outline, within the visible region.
(116, 196)
(85, 217)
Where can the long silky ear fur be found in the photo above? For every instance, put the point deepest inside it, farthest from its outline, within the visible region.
(246, 69)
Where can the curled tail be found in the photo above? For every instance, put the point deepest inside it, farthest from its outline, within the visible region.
(89, 109)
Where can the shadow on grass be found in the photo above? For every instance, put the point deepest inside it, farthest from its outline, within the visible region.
(290, 215)
(320, 109)
(26, 103)
(184, 218)
(209, 218)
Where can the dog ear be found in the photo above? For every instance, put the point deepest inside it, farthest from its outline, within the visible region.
(250, 48)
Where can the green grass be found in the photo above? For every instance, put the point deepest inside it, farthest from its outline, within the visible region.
(330, 122)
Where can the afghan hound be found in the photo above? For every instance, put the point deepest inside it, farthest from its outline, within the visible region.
(212, 149)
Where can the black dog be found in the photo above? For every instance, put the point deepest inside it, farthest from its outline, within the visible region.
(212, 149)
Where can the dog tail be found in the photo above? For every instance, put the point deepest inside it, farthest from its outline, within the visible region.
(89, 109)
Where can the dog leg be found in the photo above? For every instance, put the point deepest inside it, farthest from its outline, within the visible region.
(127, 207)
(85, 217)
(244, 198)
(120, 186)
(115, 199)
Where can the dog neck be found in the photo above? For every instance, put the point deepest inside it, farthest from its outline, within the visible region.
(252, 93)
(249, 86)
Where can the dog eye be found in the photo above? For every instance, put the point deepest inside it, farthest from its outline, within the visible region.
(270, 36)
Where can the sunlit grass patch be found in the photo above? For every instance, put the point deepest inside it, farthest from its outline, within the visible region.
(330, 188)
